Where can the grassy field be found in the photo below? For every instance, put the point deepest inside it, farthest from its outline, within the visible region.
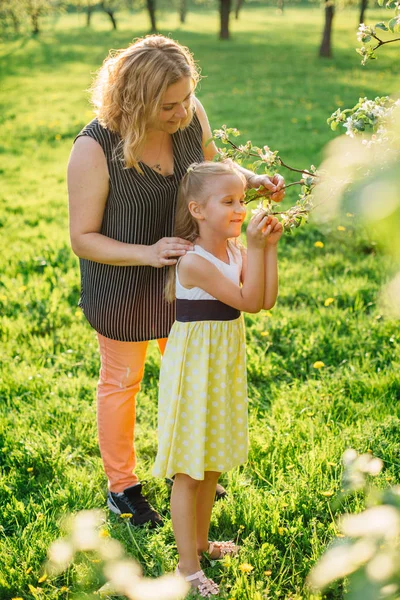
(269, 83)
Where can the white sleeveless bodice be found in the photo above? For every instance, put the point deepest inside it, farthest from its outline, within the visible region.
(232, 271)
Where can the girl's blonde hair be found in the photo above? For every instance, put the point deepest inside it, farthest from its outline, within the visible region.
(195, 186)
(129, 88)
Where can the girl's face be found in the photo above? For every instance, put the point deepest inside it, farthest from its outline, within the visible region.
(224, 210)
(174, 106)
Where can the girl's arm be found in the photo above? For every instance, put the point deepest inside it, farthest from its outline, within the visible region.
(210, 150)
(270, 264)
(196, 271)
(88, 186)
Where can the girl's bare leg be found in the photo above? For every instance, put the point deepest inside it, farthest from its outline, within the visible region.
(183, 515)
(205, 501)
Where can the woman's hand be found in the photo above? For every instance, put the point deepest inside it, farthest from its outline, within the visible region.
(275, 184)
(167, 251)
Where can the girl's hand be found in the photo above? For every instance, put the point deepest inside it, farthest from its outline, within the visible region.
(167, 251)
(258, 230)
(275, 231)
(275, 184)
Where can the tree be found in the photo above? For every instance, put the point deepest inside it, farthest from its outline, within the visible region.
(239, 4)
(363, 8)
(182, 10)
(224, 12)
(36, 9)
(325, 48)
(151, 7)
(110, 7)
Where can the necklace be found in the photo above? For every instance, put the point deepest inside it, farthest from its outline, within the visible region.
(157, 166)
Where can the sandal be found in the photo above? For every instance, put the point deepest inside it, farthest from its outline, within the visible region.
(205, 587)
(223, 549)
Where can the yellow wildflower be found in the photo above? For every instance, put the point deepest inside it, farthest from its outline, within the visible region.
(264, 333)
(318, 364)
(319, 244)
(32, 589)
(268, 573)
(104, 533)
(64, 589)
(22, 288)
(42, 578)
(281, 530)
(349, 215)
(57, 137)
(329, 301)
(29, 569)
(341, 228)
(246, 568)
(30, 469)
(331, 464)
(126, 515)
(17, 598)
(3, 298)
(327, 494)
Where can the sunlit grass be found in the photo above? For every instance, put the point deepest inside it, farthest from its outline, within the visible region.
(269, 83)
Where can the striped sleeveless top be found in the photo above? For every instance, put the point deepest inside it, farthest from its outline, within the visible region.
(127, 303)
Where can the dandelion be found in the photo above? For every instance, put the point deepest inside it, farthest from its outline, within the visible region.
(319, 244)
(318, 364)
(264, 333)
(29, 570)
(57, 137)
(29, 469)
(329, 301)
(22, 288)
(64, 589)
(327, 494)
(42, 578)
(378, 521)
(126, 515)
(33, 590)
(341, 228)
(104, 533)
(268, 573)
(281, 530)
(246, 568)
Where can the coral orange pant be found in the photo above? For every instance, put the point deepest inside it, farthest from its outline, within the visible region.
(122, 367)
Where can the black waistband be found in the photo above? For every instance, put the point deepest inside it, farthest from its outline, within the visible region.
(204, 310)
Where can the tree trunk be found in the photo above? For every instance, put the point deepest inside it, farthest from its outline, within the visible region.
(110, 13)
(15, 21)
(239, 4)
(89, 11)
(35, 23)
(363, 8)
(281, 5)
(325, 48)
(182, 11)
(151, 7)
(224, 11)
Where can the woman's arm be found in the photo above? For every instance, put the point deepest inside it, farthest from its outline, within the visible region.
(88, 186)
(275, 184)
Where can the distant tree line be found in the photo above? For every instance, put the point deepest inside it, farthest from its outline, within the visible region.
(15, 14)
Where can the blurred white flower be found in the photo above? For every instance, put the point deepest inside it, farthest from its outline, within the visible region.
(382, 567)
(339, 561)
(377, 522)
(167, 587)
(60, 554)
(390, 298)
(85, 525)
(349, 456)
(110, 549)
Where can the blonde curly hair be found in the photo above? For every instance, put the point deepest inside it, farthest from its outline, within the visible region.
(129, 88)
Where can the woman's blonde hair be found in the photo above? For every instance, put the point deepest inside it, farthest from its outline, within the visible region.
(195, 186)
(129, 88)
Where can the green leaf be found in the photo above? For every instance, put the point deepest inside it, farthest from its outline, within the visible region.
(392, 24)
(382, 25)
(334, 125)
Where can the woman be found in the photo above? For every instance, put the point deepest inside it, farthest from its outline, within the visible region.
(123, 177)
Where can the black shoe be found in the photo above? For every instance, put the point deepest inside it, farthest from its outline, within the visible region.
(131, 501)
(220, 492)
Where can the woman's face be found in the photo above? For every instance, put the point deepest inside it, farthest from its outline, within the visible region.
(174, 106)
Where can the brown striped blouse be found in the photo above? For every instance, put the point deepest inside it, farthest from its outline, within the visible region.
(122, 302)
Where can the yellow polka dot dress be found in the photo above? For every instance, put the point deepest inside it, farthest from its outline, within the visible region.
(202, 416)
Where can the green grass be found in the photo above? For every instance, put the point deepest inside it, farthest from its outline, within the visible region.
(269, 83)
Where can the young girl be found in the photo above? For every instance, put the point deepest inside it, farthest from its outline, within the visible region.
(202, 420)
